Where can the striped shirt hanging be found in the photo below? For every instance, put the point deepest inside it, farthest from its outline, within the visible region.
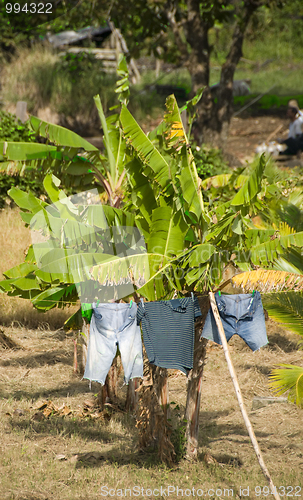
(169, 331)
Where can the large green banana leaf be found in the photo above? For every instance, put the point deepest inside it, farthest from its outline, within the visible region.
(142, 194)
(221, 228)
(113, 144)
(167, 232)
(55, 296)
(59, 135)
(266, 253)
(252, 186)
(200, 254)
(146, 150)
(21, 270)
(22, 151)
(26, 201)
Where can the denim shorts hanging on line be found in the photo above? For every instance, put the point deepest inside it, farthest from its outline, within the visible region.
(112, 325)
(240, 314)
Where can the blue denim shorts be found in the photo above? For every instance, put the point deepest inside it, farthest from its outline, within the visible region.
(112, 325)
(240, 314)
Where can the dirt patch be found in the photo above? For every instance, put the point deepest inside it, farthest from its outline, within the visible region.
(247, 133)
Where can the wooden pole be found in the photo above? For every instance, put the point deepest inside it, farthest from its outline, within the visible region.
(239, 396)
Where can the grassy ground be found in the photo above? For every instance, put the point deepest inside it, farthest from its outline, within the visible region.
(74, 456)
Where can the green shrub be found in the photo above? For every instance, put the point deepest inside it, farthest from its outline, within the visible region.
(78, 77)
(209, 161)
(13, 130)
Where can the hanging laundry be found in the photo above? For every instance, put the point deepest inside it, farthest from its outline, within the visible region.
(241, 314)
(112, 325)
(169, 331)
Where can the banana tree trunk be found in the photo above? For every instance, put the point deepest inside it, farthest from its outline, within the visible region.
(161, 385)
(194, 386)
(132, 395)
(84, 344)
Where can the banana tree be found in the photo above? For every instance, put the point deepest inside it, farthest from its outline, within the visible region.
(192, 230)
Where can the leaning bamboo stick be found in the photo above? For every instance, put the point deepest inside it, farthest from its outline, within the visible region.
(272, 134)
(240, 398)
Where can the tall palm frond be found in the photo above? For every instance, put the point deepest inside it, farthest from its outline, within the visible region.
(286, 308)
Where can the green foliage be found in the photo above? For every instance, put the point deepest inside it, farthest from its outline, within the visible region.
(14, 130)
(77, 78)
(189, 226)
(288, 378)
(178, 426)
(286, 308)
(76, 65)
(209, 161)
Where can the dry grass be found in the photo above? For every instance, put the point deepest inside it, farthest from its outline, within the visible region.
(15, 239)
(46, 458)
(30, 77)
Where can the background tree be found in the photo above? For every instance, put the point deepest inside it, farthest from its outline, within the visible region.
(182, 30)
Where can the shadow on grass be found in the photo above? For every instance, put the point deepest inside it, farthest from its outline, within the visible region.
(59, 426)
(279, 342)
(264, 370)
(211, 431)
(72, 389)
(41, 359)
(147, 459)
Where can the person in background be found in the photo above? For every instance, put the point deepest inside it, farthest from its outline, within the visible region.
(294, 141)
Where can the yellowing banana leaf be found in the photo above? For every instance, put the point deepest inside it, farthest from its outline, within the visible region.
(136, 269)
(189, 179)
(288, 378)
(59, 135)
(266, 281)
(10, 167)
(223, 180)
